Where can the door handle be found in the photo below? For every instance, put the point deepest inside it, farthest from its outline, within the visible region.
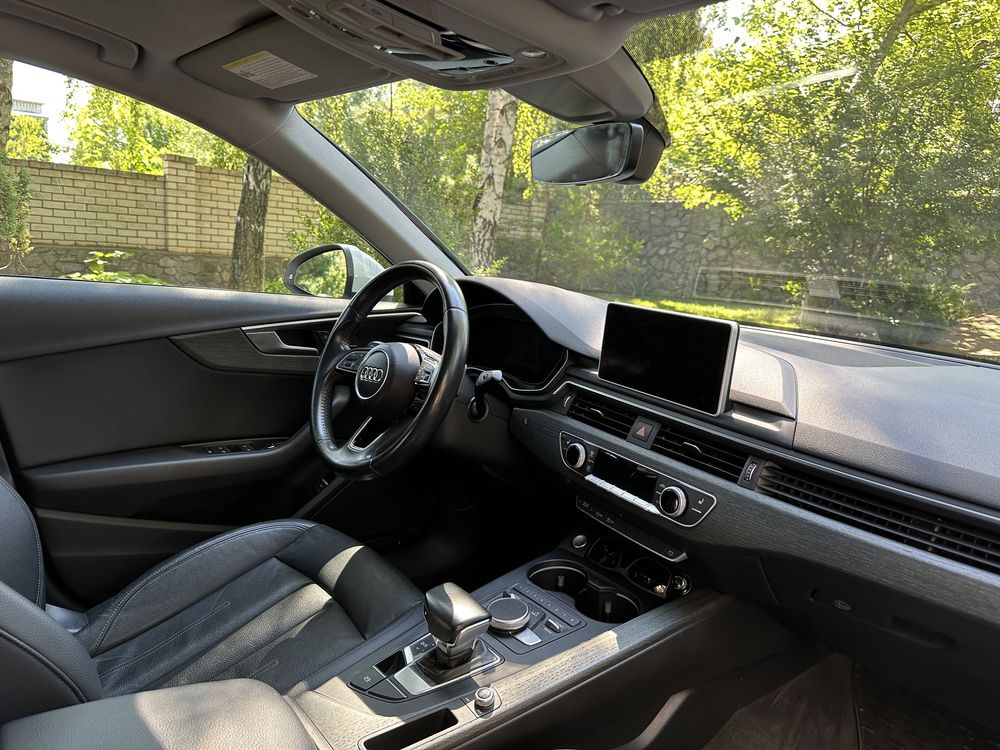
(269, 342)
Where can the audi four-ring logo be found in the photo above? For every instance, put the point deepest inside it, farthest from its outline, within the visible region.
(371, 374)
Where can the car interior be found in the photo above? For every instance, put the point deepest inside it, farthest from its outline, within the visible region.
(451, 510)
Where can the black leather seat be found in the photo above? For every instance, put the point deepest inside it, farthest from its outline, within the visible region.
(287, 602)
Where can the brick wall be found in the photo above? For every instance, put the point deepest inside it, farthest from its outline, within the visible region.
(178, 226)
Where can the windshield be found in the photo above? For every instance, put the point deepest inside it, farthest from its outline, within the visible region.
(834, 169)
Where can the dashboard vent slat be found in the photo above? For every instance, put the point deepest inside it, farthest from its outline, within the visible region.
(893, 520)
(603, 414)
(686, 445)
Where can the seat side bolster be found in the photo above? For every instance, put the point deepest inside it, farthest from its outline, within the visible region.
(184, 579)
(372, 593)
(21, 565)
(42, 666)
(230, 714)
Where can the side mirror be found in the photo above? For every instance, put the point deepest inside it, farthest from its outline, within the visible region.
(609, 152)
(330, 271)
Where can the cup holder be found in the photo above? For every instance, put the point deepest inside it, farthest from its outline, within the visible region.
(592, 598)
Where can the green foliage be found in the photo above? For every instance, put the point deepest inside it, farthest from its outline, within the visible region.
(323, 275)
(29, 140)
(768, 317)
(581, 245)
(422, 142)
(98, 266)
(15, 209)
(115, 131)
(856, 140)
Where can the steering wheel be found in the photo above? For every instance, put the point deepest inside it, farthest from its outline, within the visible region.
(404, 390)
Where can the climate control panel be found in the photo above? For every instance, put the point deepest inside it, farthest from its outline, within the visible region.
(651, 491)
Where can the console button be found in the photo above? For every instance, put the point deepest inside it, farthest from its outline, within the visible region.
(367, 679)
(386, 690)
(508, 614)
(528, 637)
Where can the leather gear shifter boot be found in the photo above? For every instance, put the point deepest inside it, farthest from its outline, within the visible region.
(456, 620)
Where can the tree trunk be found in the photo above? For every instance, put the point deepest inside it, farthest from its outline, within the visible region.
(909, 10)
(494, 159)
(247, 272)
(6, 101)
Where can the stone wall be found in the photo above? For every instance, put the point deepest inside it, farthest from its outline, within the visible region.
(177, 226)
(694, 253)
(678, 243)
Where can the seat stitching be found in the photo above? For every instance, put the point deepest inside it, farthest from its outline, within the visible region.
(39, 598)
(262, 669)
(60, 675)
(243, 658)
(163, 643)
(139, 585)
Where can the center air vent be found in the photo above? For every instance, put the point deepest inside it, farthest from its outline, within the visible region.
(603, 414)
(686, 445)
(893, 520)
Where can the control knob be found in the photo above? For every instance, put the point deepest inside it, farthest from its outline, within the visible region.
(576, 455)
(508, 614)
(672, 501)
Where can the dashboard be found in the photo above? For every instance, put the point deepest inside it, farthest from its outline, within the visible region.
(852, 485)
(503, 337)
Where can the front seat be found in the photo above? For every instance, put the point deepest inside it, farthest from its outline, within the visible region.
(285, 602)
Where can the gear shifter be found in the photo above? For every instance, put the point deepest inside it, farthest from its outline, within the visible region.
(456, 621)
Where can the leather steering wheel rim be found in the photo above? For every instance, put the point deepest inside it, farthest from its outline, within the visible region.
(334, 386)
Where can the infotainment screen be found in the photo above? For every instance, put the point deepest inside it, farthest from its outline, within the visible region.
(684, 359)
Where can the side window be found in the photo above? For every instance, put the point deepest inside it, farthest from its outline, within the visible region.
(100, 187)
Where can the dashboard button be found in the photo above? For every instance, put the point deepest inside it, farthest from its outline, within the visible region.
(672, 501)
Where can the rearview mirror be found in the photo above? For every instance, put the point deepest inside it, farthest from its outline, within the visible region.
(330, 271)
(609, 152)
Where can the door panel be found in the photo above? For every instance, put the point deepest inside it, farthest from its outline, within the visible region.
(140, 394)
(139, 420)
(43, 316)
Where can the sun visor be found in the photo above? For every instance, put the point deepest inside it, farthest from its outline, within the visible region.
(276, 60)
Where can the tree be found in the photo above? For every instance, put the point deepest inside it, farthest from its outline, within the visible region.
(15, 190)
(28, 139)
(421, 142)
(6, 100)
(494, 161)
(247, 268)
(114, 131)
(858, 139)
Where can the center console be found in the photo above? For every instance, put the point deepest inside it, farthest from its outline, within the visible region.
(459, 665)
(557, 645)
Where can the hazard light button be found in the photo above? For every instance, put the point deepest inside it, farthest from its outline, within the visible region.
(643, 431)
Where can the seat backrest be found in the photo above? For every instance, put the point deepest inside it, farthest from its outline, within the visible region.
(42, 665)
(21, 565)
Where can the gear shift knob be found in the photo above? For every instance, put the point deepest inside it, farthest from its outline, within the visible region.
(455, 620)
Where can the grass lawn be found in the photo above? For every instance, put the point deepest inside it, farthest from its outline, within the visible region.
(770, 317)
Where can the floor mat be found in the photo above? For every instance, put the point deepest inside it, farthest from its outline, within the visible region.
(838, 705)
(812, 711)
(894, 718)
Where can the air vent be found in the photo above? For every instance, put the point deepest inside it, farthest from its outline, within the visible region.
(604, 414)
(695, 449)
(688, 446)
(913, 527)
